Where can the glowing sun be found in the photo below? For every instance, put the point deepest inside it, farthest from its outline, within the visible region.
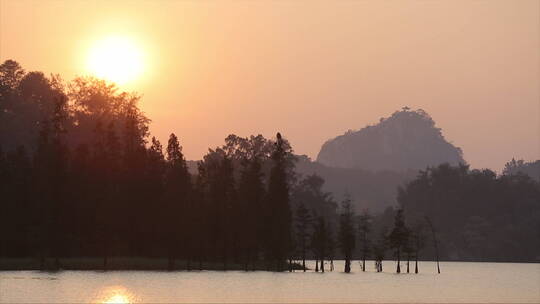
(117, 59)
(117, 299)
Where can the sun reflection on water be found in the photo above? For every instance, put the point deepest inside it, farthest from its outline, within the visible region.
(116, 295)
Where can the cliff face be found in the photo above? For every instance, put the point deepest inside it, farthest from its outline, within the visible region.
(406, 140)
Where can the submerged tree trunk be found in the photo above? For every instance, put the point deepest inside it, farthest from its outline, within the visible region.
(416, 264)
(398, 270)
(290, 264)
(408, 258)
(347, 263)
(304, 260)
(364, 263)
(316, 265)
(322, 264)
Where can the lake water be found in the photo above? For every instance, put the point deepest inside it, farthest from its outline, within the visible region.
(458, 282)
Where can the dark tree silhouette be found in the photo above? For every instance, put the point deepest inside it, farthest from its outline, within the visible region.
(364, 229)
(278, 209)
(398, 237)
(379, 249)
(303, 222)
(418, 240)
(319, 241)
(330, 246)
(347, 234)
(478, 215)
(177, 193)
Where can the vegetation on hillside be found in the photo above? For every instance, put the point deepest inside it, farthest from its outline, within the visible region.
(406, 140)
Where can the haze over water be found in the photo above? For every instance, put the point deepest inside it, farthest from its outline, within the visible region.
(459, 282)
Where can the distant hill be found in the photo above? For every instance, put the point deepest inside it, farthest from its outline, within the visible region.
(404, 141)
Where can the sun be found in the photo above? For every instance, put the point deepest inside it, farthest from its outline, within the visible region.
(115, 295)
(117, 299)
(116, 59)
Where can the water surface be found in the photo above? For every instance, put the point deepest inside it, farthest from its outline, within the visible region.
(458, 282)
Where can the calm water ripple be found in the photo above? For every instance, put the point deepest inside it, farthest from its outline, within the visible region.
(458, 282)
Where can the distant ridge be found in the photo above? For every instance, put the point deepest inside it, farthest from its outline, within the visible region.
(406, 140)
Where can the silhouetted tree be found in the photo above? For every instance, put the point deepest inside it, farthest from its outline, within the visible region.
(379, 249)
(319, 240)
(177, 189)
(514, 167)
(398, 237)
(347, 234)
(278, 210)
(303, 222)
(364, 228)
(330, 246)
(418, 240)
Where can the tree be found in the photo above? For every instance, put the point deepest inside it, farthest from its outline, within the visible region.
(514, 167)
(364, 228)
(11, 74)
(398, 237)
(177, 191)
(278, 209)
(319, 240)
(479, 215)
(217, 183)
(251, 194)
(106, 159)
(308, 194)
(50, 162)
(379, 249)
(303, 221)
(347, 232)
(330, 246)
(408, 248)
(418, 240)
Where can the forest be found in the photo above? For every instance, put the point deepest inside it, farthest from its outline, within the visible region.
(81, 176)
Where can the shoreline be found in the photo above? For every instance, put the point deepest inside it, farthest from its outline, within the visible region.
(160, 264)
(127, 263)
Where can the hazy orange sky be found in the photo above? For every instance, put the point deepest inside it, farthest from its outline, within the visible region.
(309, 69)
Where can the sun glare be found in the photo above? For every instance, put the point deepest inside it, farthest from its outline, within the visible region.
(116, 59)
(117, 299)
(115, 295)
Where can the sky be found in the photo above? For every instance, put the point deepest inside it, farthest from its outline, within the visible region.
(308, 69)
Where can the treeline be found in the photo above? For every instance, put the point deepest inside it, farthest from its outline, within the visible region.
(90, 183)
(80, 176)
(479, 216)
(531, 169)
